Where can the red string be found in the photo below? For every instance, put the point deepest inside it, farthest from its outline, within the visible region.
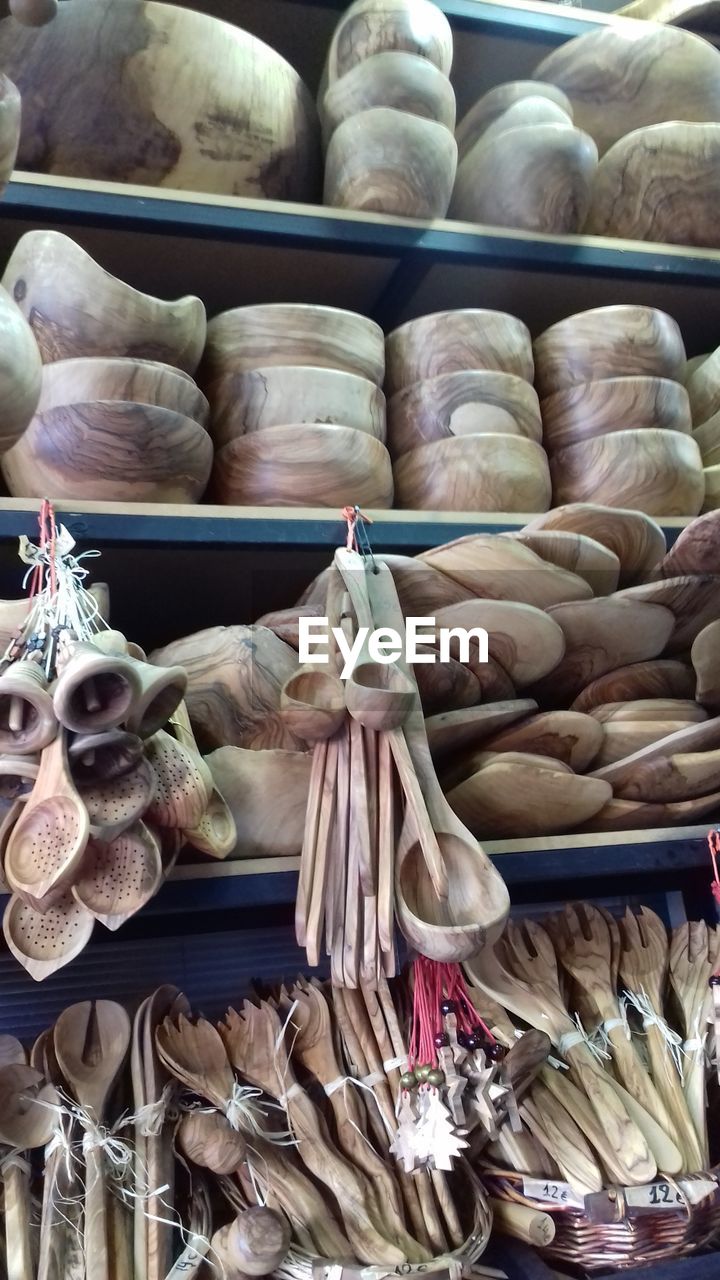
(713, 839)
(432, 984)
(351, 515)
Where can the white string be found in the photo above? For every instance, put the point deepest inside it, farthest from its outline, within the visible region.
(569, 1040)
(641, 1002)
(15, 1160)
(393, 1064)
(375, 1077)
(611, 1023)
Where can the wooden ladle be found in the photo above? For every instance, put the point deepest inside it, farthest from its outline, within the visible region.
(380, 696)
(27, 715)
(312, 701)
(92, 1040)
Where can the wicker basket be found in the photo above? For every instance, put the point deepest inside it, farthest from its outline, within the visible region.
(610, 1235)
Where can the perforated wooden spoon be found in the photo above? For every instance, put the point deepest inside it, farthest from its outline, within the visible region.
(45, 943)
(48, 841)
(184, 783)
(117, 878)
(114, 804)
(216, 832)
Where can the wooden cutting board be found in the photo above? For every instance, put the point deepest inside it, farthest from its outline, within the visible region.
(584, 556)
(693, 599)
(621, 738)
(451, 731)
(696, 738)
(502, 569)
(635, 815)
(656, 678)
(568, 736)
(526, 799)
(635, 538)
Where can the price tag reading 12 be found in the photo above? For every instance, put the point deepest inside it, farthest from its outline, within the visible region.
(557, 1194)
(654, 1196)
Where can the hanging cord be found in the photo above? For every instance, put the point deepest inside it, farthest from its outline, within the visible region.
(357, 538)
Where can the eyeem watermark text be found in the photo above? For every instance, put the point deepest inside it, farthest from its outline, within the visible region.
(385, 645)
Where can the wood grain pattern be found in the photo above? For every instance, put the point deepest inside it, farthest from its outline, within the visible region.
(9, 128)
(638, 815)
(655, 678)
(705, 657)
(189, 102)
(393, 78)
(68, 382)
(553, 800)
(246, 778)
(497, 101)
(703, 388)
(535, 177)
(466, 402)
(44, 943)
(581, 555)
(613, 404)
(707, 439)
(660, 183)
(608, 342)
(293, 333)
(20, 369)
(635, 538)
(388, 161)
(535, 109)
(33, 13)
(622, 738)
(712, 488)
(696, 738)
(700, 14)
(372, 26)
(451, 731)
(658, 472)
(525, 640)
(75, 308)
(502, 569)
(696, 548)
(646, 709)
(279, 394)
(620, 78)
(568, 736)
(111, 450)
(670, 779)
(474, 473)
(446, 341)
(304, 465)
(694, 600)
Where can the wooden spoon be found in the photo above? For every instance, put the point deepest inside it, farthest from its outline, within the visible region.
(48, 841)
(119, 877)
(450, 731)
(44, 943)
(184, 783)
(692, 962)
(216, 832)
(114, 804)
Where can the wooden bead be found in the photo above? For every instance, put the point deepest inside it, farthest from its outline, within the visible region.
(258, 1240)
(496, 103)
(208, 1140)
(446, 341)
(466, 402)
(474, 473)
(658, 472)
(608, 342)
(613, 404)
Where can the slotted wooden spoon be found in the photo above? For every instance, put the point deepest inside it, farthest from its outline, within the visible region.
(114, 804)
(48, 841)
(117, 878)
(44, 943)
(184, 783)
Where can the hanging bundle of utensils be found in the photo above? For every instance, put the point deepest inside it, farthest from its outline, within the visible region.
(96, 790)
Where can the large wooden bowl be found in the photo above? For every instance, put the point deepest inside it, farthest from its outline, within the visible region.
(627, 76)
(660, 183)
(658, 472)
(703, 388)
(496, 102)
(536, 177)
(304, 465)
(74, 308)
(9, 129)
(68, 382)
(369, 27)
(446, 341)
(278, 394)
(474, 473)
(293, 333)
(535, 109)
(613, 404)
(401, 80)
(387, 161)
(608, 342)
(168, 97)
(707, 439)
(20, 372)
(110, 450)
(465, 403)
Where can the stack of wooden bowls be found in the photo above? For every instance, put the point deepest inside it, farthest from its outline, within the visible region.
(703, 387)
(387, 110)
(119, 416)
(616, 417)
(464, 424)
(522, 163)
(298, 416)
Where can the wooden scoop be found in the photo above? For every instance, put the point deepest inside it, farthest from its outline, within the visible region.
(91, 1041)
(312, 701)
(27, 716)
(48, 841)
(118, 878)
(380, 696)
(104, 755)
(184, 783)
(45, 943)
(94, 690)
(254, 1243)
(114, 804)
(216, 832)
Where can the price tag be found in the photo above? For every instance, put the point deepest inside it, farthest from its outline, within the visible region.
(697, 1189)
(654, 1197)
(559, 1194)
(188, 1264)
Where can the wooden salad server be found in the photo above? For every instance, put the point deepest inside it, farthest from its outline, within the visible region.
(693, 958)
(24, 1124)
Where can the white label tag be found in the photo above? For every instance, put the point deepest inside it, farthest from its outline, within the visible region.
(654, 1197)
(559, 1194)
(191, 1257)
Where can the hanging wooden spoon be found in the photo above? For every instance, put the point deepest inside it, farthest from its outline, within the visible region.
(184, 783)
(120, 876)
(114, 804)
(44, 943)
(48, 842)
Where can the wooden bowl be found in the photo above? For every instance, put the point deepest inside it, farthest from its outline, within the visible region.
(536, 177)
(613, 404)
(474, 473)
(387, 161)
(293, 333)
(703, 388)
(246, 778)
(608, 342)
(110, 450)
(660, 183)
(271, 397)
(304, 465)
(68, 382)
(188, 101)
(467, 402)
(693, 364)
(695, 550)
(626, 76)
(9, 129)
(447, 341)
(658, 472)
(74, 308)
(636, 540)
(527, 112)
(707, 439)
(497, 101)
(20, 372)
(404, 81)
(369, 27)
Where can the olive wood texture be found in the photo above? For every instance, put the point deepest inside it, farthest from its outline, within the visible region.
(626, 776)
(447, 341)
(528, 111)
(581, 555)
(370, 27)
(75, 308)
(660, 184)
(45, 942)
(525, 640)
(624, 340)
(303, 465)
(696, 548)
(255, 1242)
(46, 846)
(679, 13)
(474, 473)
(703, 388)
(568, 736)
(636, 815)
(602, 635)
(535, 177)
(649, 709)
(387, 161)
(111, 450)
(613, 404)
(553, 799)
(280, 394)
(235, 675)
(502, 569)
(10, 115)
(497, 101)
(712, 488)
(452, 731)
(394, 78)
(622, 738)
(694, 599)
(464, 403)
(705, 657)
(636, 539)
(687, 775)
(654, 471)
(90, 378)
(655, 678)
(421, 588)
(20, 369)
(190, 102)
(293, 333)
(707, 439)
(623, 77)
